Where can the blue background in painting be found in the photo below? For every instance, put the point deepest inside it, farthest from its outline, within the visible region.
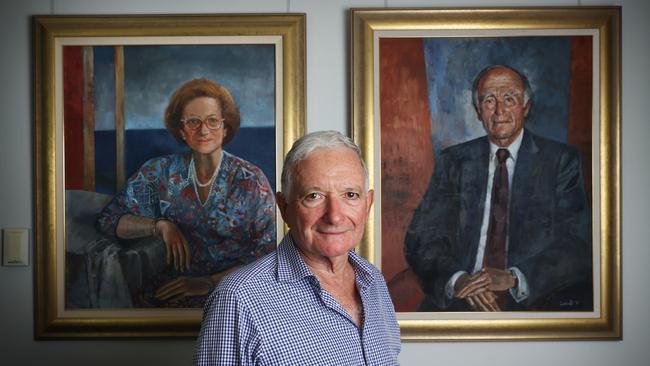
(153, 73)
(253, 142)
(453, 63)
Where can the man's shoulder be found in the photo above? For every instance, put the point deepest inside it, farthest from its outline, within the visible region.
(549, 151)
(480, 145)
(367, 273)
(365, 265)
(545, 143)
(467, 149)
(251, 275)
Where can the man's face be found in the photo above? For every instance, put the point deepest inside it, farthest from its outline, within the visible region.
(501, 105)
(328, 207)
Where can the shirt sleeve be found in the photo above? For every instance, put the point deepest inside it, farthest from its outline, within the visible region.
(451, 284)
(228, 335)
(521, 292)
(138, 197)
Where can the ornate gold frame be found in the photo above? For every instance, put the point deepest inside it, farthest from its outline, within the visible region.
(50, 321)
(366, 24)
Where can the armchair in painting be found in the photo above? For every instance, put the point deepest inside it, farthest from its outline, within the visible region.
(100, 272)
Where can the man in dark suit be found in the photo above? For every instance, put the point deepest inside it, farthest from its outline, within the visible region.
(505, 223)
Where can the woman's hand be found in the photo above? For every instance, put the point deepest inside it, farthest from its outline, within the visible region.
(183, 287)
(178, 250)
(190, 286)
(133, 227)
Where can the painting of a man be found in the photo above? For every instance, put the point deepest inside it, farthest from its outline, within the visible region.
(505, 221)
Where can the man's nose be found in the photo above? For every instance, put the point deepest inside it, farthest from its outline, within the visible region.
(333, 213)
(500, 108)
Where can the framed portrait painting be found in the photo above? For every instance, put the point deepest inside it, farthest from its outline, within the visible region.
(141, 119)
(472, 245)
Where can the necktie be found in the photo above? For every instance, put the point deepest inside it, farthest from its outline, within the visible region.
(495, 249)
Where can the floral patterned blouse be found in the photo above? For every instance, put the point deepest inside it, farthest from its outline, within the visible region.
(234, 226)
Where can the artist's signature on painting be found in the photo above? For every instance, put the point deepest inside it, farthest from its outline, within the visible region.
(570, 303)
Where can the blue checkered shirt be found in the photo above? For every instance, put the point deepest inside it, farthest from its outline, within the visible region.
(274, 312)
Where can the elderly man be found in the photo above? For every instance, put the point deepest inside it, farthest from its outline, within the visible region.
(505, 223)
(314, 301)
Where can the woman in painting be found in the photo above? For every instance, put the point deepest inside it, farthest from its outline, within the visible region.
(213, 210)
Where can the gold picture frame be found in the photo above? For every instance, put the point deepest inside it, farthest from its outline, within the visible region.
(370, 28)
(284, 33)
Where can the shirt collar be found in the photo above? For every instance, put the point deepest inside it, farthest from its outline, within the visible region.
(363, 269)
(291, 266)
(513, 148)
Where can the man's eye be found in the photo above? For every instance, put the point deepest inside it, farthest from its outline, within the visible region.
(312, 199)
(352, 195)
(312, 196)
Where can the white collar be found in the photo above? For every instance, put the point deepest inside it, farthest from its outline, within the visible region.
(513, 148)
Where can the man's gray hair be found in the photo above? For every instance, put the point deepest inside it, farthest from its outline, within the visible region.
(306, 145)
(528, 91)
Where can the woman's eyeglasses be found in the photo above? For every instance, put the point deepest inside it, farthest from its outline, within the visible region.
(194, 123)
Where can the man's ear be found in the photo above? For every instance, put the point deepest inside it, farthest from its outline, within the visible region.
(282, 205)
(371, 199)
(527, 108)
(478, 112)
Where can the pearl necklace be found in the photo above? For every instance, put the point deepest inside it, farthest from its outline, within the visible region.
(195, 177)
(197, 183)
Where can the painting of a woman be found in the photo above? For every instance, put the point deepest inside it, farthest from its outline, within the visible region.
(213, 210)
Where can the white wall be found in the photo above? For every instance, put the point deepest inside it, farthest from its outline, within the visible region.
(327, 108)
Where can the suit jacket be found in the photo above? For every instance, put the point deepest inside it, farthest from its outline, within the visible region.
(549, 232)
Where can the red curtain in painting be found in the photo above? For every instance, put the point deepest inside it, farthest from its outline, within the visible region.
(406, 170)
(73, 116)
(580, 107)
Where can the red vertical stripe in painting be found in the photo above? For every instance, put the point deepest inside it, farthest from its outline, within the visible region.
(406, 157)
(580, 108)
(73, 115)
